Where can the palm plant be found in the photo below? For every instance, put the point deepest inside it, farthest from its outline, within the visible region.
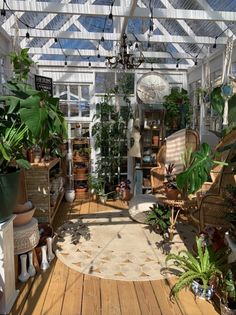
(206, 267)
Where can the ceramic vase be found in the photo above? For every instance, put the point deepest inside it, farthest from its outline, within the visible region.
(70, 195)
(50, 256)
(199, 291)
(31, 269)
(44, 263)
(24, 275)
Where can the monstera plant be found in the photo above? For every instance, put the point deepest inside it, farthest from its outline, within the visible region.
(192, 179)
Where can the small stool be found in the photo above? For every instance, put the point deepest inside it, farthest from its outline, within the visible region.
(140, 205)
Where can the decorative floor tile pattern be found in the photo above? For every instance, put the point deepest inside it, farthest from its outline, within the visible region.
(119, 248)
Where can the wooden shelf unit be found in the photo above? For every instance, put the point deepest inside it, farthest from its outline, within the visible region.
(38, 189)
(81, 160)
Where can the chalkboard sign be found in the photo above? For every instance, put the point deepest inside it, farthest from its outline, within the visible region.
(43, 84)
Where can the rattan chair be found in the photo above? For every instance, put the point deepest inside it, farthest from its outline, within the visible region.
(213, 206)
(158, 172)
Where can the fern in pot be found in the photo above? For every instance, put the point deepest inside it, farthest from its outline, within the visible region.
(200, 273)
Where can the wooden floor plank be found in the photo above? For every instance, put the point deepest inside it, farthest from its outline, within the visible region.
(22, 297)
(146, 297)
(161, 289)
(91, 304)
(110, 297)
(55, 295)
(37, 294)
(73, 294)
(84, 207)
(186, 301)
(128, 298)
(93, 207)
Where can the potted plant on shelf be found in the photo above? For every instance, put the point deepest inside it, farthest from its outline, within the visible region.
(201, 273)
(158, 218)
(27, 117)
(177, 105)
(227, 293)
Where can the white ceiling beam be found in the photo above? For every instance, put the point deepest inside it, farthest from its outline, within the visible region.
(165, 32)
(124, 24)
(207, 7)
(90, 52)
(183, 24)
(84, 64)
(111, 36)
(88, 9)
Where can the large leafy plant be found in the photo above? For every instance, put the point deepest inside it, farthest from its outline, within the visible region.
(205, 267)
(27, 116)
(190, 180)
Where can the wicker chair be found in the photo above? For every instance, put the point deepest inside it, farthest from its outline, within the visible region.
(213, 207)
(158, 172)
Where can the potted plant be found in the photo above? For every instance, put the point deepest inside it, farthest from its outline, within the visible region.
(177, 105)
(227, 292)
(158, 218)
(124, 190)
(200, 273)
(27, 116)
(171, 189)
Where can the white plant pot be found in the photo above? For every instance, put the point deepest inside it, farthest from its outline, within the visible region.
(24, 275)
(50, 256)
(70, 195)
(31, 269)
(44, 263)
(200, 292)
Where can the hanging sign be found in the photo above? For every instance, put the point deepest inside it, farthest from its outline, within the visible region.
(43, 84)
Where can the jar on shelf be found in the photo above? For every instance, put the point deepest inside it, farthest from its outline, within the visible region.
(37, 153)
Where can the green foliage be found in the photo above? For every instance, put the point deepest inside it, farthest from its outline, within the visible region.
(159, 216)
(177, 105)
(96, 184)
(21, 63)
(217, 101)
(109, 132)
(190, 180)
(35, 116)
(206, 266)
(227, 287)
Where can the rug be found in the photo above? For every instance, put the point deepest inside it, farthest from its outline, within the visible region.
(110, 245)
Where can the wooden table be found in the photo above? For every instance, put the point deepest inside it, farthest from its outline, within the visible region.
(177, 205)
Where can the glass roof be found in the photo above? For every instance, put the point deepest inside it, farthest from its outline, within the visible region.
(82, 30)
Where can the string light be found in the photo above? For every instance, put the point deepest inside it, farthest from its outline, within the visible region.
(65, 63)
(216, 37)
(55, 40)
(27, 35)
(3, 11)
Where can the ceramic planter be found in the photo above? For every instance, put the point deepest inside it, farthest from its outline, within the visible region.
(8, 193)
(199, 291)
(70, 195)
(172, 193)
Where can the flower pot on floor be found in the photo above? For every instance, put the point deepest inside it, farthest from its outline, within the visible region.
(199, 291)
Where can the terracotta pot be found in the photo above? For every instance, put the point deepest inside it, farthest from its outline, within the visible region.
(19, 208)
(155, 140)
(23, 217)
(82, 170)
(81, 176)
(172, 193)
(126, 195)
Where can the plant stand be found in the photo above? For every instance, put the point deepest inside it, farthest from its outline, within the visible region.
(176, 206)
(8, 293)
